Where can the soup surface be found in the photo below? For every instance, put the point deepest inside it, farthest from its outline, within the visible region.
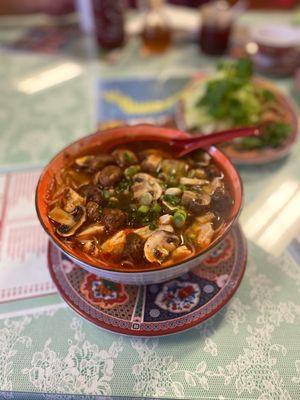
(137, 206)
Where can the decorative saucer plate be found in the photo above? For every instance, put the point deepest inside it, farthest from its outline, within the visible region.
(158, 309)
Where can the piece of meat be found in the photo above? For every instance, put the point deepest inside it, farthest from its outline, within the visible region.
(221, 202)
(109, 176)
(92, 211)
(134, 248)
(113, 219)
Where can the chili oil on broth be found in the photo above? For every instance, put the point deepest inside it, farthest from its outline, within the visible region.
(138, 207)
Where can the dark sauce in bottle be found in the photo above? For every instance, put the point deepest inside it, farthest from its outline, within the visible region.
(214, 40)
(156, 34)
(109, 23)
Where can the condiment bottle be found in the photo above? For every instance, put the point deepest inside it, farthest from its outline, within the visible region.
(109, 23)
(156, 33)
(215, 29)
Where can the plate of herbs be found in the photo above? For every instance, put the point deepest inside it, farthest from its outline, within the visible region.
(232, 97)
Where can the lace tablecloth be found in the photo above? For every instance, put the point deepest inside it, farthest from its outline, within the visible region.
(249, 350)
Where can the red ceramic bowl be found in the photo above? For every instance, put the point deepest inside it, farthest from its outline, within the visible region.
(105, 141)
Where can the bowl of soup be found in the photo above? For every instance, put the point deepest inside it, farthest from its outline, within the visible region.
(120, 204)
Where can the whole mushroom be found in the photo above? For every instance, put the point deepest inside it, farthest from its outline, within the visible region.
(69, 223)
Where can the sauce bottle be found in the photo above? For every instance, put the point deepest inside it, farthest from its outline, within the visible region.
(215, 29)
(109, 23)
(156, 34)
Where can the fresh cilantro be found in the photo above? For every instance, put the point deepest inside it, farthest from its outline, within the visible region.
(267, 95)
(234, 98)
(231, 96)
(273, 135)
(173, 200)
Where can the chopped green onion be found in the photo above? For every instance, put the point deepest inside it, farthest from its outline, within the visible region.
(123, 185)
(156, 208)
(130, 171)
(113, 202)
(152, 226)
(173, 200)
(143, 209)
(128, 156)
(179, 218)
(106, 194)
(146, 199)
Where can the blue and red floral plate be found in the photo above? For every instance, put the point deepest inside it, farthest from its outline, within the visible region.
(154, 310)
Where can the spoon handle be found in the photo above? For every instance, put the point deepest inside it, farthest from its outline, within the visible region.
(196, 142)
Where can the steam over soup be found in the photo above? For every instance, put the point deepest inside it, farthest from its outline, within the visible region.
(139, 206)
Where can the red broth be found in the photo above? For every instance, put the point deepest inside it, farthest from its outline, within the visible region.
(139, 206)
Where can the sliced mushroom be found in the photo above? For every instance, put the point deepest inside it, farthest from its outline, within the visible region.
(91, 231)
(145, 183)
(193, 181)
(195, 202)
(60, 216)
(90, 247)
(168, 228)
(109, 176)
(151, 163)
(71, 200)
(69, 222)
(93, 163)
(165, 219)
(114, 246)
(181, 253)
(159, 246)
(124, 157)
